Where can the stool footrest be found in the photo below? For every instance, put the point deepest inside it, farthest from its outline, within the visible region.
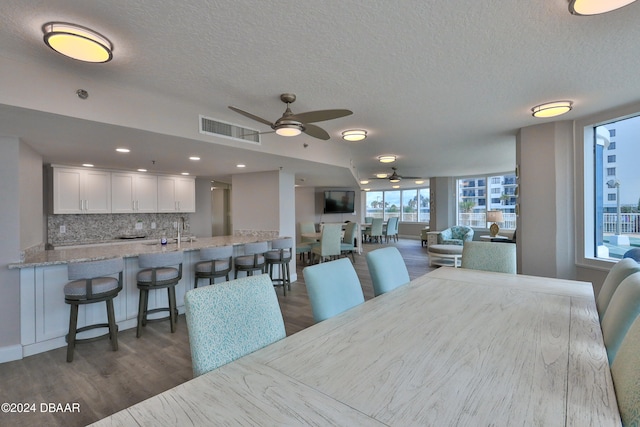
(89, 327)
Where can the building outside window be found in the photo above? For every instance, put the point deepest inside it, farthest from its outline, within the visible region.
(472, 206)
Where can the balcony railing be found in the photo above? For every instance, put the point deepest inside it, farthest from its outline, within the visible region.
(479, 220)
(629, 223)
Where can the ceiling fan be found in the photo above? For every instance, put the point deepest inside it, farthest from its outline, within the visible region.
(395, 177)
(293, 124)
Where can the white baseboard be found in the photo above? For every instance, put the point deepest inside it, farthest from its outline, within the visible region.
(10, 353)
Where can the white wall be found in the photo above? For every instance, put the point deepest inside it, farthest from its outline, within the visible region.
(255, 203)
(200, 221)
(32, 229)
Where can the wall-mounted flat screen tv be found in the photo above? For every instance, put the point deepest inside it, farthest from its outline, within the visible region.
(341, 201)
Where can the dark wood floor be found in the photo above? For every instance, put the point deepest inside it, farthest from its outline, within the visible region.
(103, 382)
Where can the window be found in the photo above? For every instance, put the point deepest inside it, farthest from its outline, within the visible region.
(612, 194)
(472, 206)
(612, 145)
(411, 205)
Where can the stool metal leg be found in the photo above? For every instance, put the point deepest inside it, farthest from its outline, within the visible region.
(142, 311)
(113, 328)
(71, 338)
(173, 318)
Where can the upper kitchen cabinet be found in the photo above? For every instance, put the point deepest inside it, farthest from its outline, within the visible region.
(134, 192)
(81, 191)
(176, 194)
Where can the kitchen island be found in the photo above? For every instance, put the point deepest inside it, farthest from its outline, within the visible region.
(44, 315)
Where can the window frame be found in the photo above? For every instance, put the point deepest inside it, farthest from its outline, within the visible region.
(400, 213)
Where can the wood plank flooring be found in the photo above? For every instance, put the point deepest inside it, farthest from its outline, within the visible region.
(103, 382)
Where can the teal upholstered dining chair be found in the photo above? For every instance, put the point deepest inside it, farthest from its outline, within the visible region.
(230, 320)
(333, 287)
(626, 376)
(455, 235)
(387, 269)
(620, 271)
(348, 245)
(307, 228)
(490, 256)
(329, 246)
(375, 232)
(623, 309)
(391, 232)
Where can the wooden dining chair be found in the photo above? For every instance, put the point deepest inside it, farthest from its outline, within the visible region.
(387, 269)
(490, 256)
(626, 376)
(620, 271)
(230, 320)
(333, 287)
(623, 309)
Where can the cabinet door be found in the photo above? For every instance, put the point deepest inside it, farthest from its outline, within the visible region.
(186, 194)
(146, 193)
(122, 192)
(167, 194)
(67, 191)
(97, 191)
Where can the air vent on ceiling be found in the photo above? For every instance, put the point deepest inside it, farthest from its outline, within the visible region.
(215, 127)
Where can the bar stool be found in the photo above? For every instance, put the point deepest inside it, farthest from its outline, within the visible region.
(92, 282)
(252, 260)
(217, 262)
(280, 254)
(158, 272)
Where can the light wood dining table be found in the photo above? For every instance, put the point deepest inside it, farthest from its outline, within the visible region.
(453, 347)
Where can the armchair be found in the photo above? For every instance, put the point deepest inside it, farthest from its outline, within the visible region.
(456, 235)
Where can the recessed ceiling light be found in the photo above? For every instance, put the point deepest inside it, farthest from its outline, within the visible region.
(354, 135)
(367, 189)
(386, 159)
(420, 181)
(241, 166)
(395, 186)
(77, 42)
(381, 175)
(596, 7)
(122, 150)
(194, 158)
(185, 173)
(87, 165)
(552, 109)
(142, 170)
(364, 181)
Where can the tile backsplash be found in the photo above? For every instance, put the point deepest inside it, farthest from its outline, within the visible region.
(95, 228)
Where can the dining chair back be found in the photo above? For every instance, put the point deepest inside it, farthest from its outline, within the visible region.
(329, 246)
(623, 309)
(391, 231)
(348, 245)
(620, 271)
(307, 228)
(626, 376)
(490, 256)
(387, 269)
(333, 287)
(230, 320)
(375, 231)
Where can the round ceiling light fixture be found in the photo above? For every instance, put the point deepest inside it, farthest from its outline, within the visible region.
(354, 135)
(595, 7)
(289, 129)
(386, 159)
(552, 109)
(77, 42)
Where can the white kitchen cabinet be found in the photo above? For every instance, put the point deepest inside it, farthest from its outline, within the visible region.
(81, 191)
(176, 194)
(132, 192)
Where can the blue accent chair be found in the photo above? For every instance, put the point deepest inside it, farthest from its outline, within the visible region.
(633, 254)
(490, 256)
(387, 269)
(626, 376)
(333, 287)
(620, 271)
(456, 235)
(230, 320)
(623, 309)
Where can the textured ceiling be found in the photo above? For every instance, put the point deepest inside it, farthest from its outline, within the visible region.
(443, 85)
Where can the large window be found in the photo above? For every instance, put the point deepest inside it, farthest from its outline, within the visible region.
(612, 211)
(472, 200)
(408, 205)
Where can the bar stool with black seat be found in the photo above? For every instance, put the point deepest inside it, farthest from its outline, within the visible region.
(92, 281)
(216, 262)
(252, 260)
(280, 254)
(160, 270)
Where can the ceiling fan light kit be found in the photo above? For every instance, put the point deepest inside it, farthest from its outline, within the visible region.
(77, 42)
(595, 7)
(386, 159)
(552, 109)
(354, 135)
(288, 130)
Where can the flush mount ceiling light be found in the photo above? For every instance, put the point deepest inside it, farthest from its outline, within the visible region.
(77, 42)
(386, 159)
(552, 109)
(354, 135)
(595, 7)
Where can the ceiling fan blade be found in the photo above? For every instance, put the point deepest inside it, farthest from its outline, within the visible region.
(251, 116)
(316, 132)
(320, 115)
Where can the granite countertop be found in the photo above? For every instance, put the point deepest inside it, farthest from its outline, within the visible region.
(125, 249)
